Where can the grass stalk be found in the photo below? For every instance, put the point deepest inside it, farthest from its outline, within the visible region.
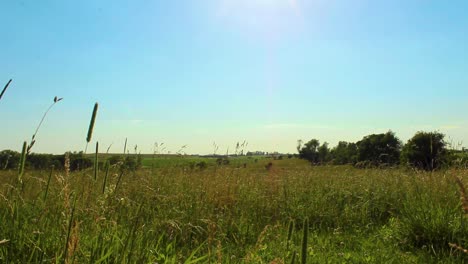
(22, 162)
(33, 138)
(304, 241)
(70, 223)
(118, 181)
(293, 259)
(91, 125)
(290, 231)
(107, 166)
(463, 195)
(96, 160)
(5, 88)
(48, 183)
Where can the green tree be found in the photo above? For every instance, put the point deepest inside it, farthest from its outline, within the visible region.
(9, 159)
(78, 161)
(323, 153)
(379, 149)
(309, 151)
(314, 152)
(344, 153)
(40, 161)
(426, 150)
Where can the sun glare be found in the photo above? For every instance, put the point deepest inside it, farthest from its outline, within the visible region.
(264, 3)
(260, 15)
(259, 6)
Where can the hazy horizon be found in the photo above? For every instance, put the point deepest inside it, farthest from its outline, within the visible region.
(197, 72)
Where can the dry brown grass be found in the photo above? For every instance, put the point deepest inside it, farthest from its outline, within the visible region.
(463, 195)
(464, 203)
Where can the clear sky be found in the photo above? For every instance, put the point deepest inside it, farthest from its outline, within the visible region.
(202, 71)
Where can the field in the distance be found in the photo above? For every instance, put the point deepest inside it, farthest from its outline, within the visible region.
(171, 212)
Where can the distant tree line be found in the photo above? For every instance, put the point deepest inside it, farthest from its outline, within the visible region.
(9, 160)
(425, 150)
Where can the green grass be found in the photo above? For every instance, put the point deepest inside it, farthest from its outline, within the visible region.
(172, 213)
(165, 161)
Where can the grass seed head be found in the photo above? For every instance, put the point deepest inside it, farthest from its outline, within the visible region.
(91, 123)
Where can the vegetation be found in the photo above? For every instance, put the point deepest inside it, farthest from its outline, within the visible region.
(426, 150)
(310, 151)
(379, 149)
(11, 160)
(227, 214)
(344, 153)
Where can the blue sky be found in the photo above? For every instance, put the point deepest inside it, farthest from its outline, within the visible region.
(197, 72)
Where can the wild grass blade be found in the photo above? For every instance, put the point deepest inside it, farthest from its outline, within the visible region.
(107, 166)
(22, 162)
(304, 241)
(5, 88)
(33, 138)
(96, 161)
(293, 259)
(48, 183)
(70, 223)
(290, 231)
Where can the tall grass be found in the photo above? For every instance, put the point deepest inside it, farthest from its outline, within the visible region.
(234, 215)
(464, 205)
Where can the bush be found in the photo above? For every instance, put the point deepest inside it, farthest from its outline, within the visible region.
(223, 161)
(379, 149)
(426, 150)
(132, 163)
(202, 165)
(128, 162)
(115, 159)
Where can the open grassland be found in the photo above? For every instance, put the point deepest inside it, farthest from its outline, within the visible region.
(175, 212)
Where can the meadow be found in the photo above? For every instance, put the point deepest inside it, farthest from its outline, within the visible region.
(170, 211)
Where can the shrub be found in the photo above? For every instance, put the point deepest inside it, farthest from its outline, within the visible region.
(128, 162)
(426, 150)
(223, 161)
(202, 165)
(132, 162)
(379, 149)
(115, 159)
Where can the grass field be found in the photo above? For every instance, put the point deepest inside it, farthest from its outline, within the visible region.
(171, 212)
